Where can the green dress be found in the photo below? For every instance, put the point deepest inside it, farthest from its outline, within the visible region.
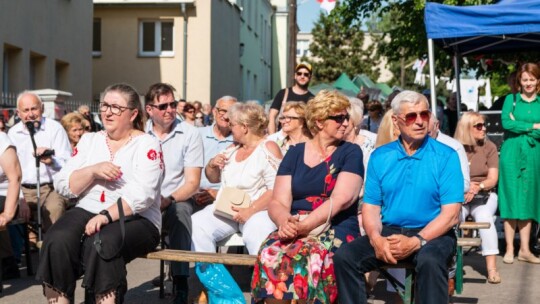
(519, 170)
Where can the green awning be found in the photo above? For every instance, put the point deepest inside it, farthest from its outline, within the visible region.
(345, 85)
(363, 80)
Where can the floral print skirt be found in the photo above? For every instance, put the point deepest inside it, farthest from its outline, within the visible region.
(300, 269)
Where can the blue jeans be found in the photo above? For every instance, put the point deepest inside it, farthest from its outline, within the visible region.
(354, 259)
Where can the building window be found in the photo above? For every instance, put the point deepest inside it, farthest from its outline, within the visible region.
(156, 38)
(96, 38)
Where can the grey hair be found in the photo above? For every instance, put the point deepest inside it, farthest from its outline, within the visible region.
(26, 92)
(356, 111)
(407, 97)
(227, 98)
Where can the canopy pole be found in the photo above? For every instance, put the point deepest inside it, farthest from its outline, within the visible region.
(433, 92)
(457, 72)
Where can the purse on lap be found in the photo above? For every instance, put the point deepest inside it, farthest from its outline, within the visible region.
(480, 198)
(229, 197)
(322, 228)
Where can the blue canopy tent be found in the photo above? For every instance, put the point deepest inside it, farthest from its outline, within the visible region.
(509, 25)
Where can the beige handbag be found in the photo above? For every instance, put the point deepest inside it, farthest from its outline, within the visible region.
(229, 197)
(322, 228)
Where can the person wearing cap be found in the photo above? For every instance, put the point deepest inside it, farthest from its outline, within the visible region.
(298, 92)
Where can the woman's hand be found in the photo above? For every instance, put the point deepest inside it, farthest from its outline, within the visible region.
(107, 171)
(468, 197)
(218, 161)
(289, 228)
(95, 224)
(4, 220)
(243, 214)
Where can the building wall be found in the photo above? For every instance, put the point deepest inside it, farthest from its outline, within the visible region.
(256, 58)
(46, 44)
(280, 43)
(212, 49)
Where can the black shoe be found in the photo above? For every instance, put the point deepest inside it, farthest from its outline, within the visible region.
(10, 269)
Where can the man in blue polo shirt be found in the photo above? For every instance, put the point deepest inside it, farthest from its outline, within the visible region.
(183, 158)
(216, 138)
(413, 195)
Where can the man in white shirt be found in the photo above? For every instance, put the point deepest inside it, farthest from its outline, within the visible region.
(216, 138)
(183, 158)
(49, 135)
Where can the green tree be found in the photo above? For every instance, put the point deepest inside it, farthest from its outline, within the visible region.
(338, 48)
(401, 22)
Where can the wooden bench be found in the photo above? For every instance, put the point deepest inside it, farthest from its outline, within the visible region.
(204, 257)
(466, 242)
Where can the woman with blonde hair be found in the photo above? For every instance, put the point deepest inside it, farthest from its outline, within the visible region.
(317, 186)
(73, 123)
(294, 128)
(387, 132)
(481, 201)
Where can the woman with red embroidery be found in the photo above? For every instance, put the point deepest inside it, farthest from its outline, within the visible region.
(317, 185)
(116, 174)
(73, 124)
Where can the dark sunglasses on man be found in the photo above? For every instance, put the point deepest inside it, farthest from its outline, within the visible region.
(163, 106)
(303, 74)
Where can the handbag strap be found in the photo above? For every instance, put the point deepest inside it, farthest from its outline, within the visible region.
(330, 212)
(97, 239)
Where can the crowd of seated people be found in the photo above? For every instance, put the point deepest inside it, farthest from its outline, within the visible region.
(308, 212)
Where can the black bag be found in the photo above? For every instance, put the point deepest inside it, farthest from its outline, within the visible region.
(480, 199)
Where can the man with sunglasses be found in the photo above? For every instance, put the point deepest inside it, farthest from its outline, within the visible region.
(413, 195)
(298, 92)
(216, 138)
(183, 158)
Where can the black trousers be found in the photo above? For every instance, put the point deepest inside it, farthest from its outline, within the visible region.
(354, 259)
(67, 253)
(177, 222)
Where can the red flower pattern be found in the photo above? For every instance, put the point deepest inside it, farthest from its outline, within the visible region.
(152, 154)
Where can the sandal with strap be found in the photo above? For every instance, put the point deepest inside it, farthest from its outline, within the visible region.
(493, 276)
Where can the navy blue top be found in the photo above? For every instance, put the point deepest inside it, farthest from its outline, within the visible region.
(312, 185)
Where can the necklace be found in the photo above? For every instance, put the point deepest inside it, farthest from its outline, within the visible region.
(111, 156)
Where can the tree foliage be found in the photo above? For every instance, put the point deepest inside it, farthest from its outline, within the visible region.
(339, 48)
(402, 22)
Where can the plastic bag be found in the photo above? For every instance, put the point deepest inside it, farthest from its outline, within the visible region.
(220, 285)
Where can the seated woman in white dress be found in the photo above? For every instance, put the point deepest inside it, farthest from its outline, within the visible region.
(114, 172)
(250, 164)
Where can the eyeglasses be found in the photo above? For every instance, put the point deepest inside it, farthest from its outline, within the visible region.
(221, 111)
(288, 118)
(303, 74)
(410, 118)
(163, 106)
(190, 111)
(339, 118)
(115, 109)
(479, 126)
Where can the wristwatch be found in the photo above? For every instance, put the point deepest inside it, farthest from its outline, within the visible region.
(423, 241)
(107, 215)
(482, 186)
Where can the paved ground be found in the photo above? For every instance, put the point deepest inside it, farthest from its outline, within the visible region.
(519, 285)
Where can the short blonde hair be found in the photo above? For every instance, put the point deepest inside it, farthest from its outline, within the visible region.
(324, 104)
(251, 115)
(72, 118)
(300, 109)
(356, 111)
(463, 128)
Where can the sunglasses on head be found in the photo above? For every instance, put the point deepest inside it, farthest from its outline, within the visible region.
(303, 74)
(410, 118)
(339, 118)
(479, 126)
(163, 106)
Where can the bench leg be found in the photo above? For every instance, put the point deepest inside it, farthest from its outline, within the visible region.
(409, 287)
(459, 270)
(161, 279)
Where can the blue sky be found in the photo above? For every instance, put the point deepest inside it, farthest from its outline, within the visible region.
(307, 14)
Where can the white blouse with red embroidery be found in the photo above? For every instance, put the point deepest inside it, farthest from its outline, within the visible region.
(141, 164)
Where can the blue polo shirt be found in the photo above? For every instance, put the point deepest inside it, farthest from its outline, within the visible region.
(412, 189)
(212, 146)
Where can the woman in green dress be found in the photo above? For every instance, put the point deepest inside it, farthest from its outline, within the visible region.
(519, 177)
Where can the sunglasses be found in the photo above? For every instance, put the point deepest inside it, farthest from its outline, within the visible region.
(190, 111)
(198, 117)
(410, 118)
(163, 106)
(287, 118)
(339, 118)
(303, 74)
(479, 126)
